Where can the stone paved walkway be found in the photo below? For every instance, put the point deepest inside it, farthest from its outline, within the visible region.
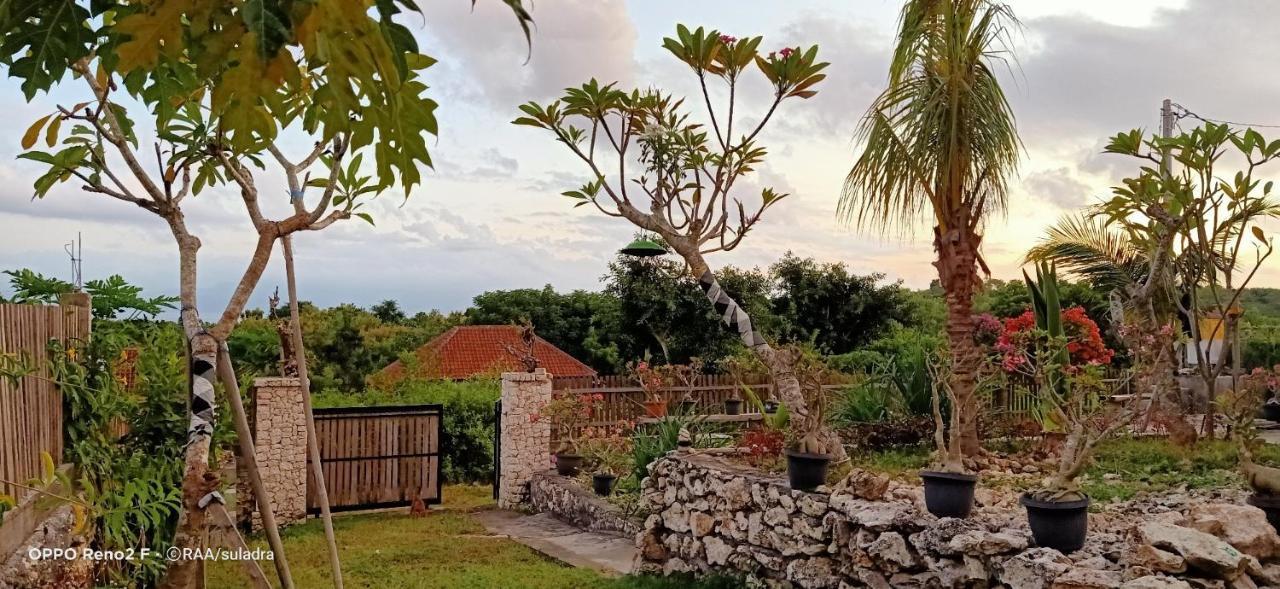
(542, 532)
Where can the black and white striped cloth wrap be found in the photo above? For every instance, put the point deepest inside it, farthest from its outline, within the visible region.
(730, 313)
(202, 400)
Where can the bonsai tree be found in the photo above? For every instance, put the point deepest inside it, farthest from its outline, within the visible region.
(220, 82)
(947, 456)
(1084, 411)
(940, 144)
(650, 379)
(1240, 406)
(680, 178)
(686, 375)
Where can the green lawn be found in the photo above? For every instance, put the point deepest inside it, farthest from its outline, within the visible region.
(1121, 468)
(446, 549)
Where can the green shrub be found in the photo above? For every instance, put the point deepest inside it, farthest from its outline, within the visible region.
(467, 431)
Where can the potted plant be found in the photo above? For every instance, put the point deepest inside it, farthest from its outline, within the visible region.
(569, 414)
(808, 457)
(1058, 510)
(1240, 406)
(736, 368)
(948, 486)
(651, 382)
(687, 376)
(608, 447)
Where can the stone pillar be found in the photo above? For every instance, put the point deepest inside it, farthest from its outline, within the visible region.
(525, 439)
(280, 439)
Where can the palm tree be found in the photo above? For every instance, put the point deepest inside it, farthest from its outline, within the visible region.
(940, 143)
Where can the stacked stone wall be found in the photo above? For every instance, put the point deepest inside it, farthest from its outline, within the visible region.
(711, 514)
(570, 501)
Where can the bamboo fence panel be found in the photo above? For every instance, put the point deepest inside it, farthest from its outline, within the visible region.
(31, 407)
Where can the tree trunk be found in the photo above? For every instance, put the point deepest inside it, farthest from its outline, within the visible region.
(780, 370)
(957, 266)
(199, 486)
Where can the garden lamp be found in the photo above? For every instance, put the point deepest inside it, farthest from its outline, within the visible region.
(644, 248)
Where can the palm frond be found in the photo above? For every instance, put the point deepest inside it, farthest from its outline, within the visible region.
(1083, 246)
(940, 140)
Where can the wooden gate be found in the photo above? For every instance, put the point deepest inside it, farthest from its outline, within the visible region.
(375, 457)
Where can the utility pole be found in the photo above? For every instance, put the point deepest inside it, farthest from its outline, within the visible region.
(1166, 131)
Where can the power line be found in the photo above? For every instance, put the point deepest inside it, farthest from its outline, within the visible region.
(1186, 112)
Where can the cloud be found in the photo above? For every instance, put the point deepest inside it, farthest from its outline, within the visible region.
(1058, 187)
(573, 40)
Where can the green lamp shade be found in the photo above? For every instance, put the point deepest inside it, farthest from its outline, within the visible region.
(644, 248)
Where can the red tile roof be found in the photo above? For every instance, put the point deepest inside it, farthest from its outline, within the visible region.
(471, 350)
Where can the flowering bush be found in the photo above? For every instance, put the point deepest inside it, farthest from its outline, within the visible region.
(650, 380)
(1085, 347)
(569, 414)
(1267, 381)
(608, 447)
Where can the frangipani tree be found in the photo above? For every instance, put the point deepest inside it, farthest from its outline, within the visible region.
(1198, 225)
(680, 178)
(940, 144)
(221, 81)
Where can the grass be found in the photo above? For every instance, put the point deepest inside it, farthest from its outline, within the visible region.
(446, 549)
(1135, 465)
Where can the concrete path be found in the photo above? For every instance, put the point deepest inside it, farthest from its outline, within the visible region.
(609, 554)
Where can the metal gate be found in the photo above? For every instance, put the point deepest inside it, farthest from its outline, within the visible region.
(497, 447)
(376, 457)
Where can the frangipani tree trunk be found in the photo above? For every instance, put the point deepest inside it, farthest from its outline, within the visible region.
(684, 185)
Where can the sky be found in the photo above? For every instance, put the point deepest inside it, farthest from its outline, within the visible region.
(490, 215)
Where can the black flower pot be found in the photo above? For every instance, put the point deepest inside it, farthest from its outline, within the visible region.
(948, 494)
(1271, 411)
(1061, 525)
(688, 407)
(568, 464)
(1268, 503)
(602, 483)
(806, 471)
(733, 407)
(770, 407)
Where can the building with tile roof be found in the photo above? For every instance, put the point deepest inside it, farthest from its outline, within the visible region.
(469, 351)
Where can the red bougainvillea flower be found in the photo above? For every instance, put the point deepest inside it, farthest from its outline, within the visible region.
(1084, 339)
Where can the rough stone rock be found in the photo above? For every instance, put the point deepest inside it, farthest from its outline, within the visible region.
(701, 523)
(863, 485)
(1082, 578)
(1237, 525)
(1033, 569)
(937, 538)
(1268, 574)
(676, 518)
(891, 553)
(813, 573)
(650, 545)
(1202, 551)
(1155, 582)
(984, 543)
(736, 494)
(876, 515)
(1155, 559)
(717, 550)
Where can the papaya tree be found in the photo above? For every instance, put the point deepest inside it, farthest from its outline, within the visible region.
(218, 83)
(648, 161)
